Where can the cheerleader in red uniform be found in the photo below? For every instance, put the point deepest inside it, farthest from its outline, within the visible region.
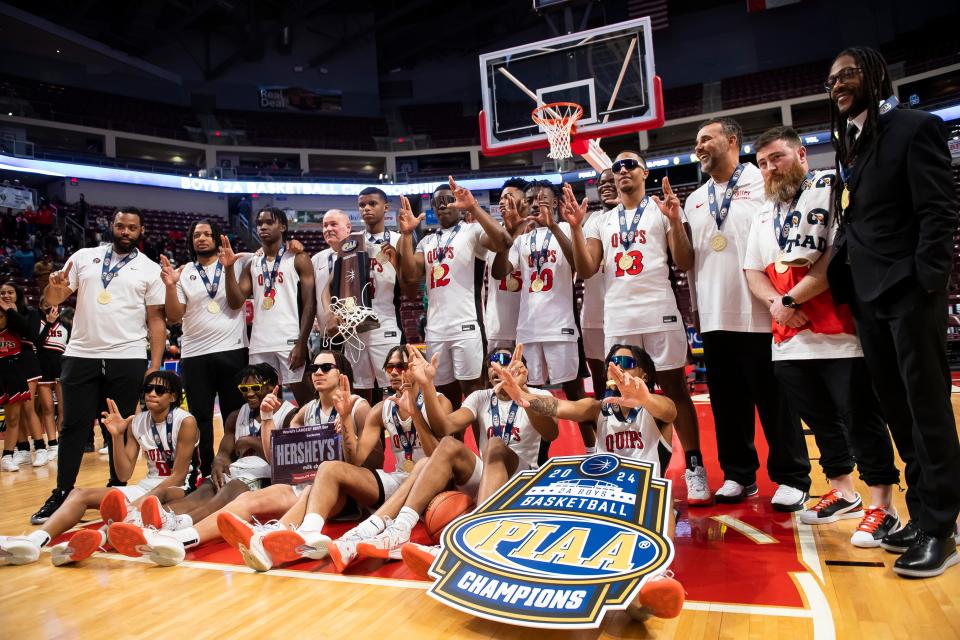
(13, 384)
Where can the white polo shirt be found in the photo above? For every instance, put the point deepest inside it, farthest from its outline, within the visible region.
(205, 332)
(117, 329)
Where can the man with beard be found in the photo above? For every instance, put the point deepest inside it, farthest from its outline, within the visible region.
(633, 243)
(282, 319)
(818, 363)
(336, 229)
(452, 261)
(503, 294)
(892, 263)
(735, 326)
(214, 341)
(119, 303)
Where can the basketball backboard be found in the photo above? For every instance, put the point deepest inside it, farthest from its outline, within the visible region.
(609, 71)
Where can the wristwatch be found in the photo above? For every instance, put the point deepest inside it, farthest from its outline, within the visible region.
(789, 302)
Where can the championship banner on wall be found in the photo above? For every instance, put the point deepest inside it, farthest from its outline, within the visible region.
(298, 451)
(559, 546)
(16, 198)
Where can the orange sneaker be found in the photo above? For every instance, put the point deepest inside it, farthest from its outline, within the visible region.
(419, 558)
(113, 507)
(342, 553)
(282, 545)
(126, 538)
(151, 513)
(79, 547)
(661, 597)
(235, 531)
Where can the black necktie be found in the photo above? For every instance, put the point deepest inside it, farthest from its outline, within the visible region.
(851, 135)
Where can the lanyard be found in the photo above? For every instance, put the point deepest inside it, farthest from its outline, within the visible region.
(721, 214)
(106, 273)
(211, 288)
(614, 409)
(252, 426)
(169, 451)
(330, 419)
(629, 234)
(407, 438)
(506, 433)
(442, 252)
(270, 278)
(384, 240)
(885, 106)
(781, 227)
(539, 257)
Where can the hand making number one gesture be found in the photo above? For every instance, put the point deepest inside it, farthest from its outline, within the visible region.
(60, 280)
(271, 402)
(670, 205)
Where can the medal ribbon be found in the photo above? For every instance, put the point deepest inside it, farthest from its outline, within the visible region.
(169, 451)
(330, 419)
(384, 240)
(252, 426)
(781, 227)
(721, 214)
(506, 433)
(211, 288)
(407, 438)
(442, 252)
(614, 409)
(629, 234)
(106, 273)
(269, 279)
(539, 257)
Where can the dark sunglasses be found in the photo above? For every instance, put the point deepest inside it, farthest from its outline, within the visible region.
(395, 366)
(158, 389)
(441, 200)
(624, 362)
(256, 387)
(501, 358)
(627, 163)
(323, 367)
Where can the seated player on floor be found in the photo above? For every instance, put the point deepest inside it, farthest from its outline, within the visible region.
(644, 433)
(402, 421)
(330, 374)
(509, 442)
(166, 433)
(239, 466)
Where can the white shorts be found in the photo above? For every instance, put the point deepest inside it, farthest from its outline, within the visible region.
(278, 361)
(472, 485)
(459, 359)
(593, 343)
(496, 343)
(134, 492)
(667, 349)
(553, 362)
(298, 489)
(391, 481)
(368, 365)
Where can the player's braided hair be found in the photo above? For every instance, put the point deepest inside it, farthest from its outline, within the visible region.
(877, 87)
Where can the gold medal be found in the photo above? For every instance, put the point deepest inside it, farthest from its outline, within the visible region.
(213, 307)
(437, 272)
(408, 465)
(513, 284)
(845, 198)
(104, 297)
(267, 303)
(718, 242)
(537, 285)
(780, 266)
(625, 261)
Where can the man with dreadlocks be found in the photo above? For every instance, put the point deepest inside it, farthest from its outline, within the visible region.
(891, 263)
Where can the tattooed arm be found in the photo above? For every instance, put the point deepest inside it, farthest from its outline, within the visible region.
(583, 410)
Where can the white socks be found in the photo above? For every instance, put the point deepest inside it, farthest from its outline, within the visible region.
(590, 450)
(371, 526)
(312, 522)
(39, 538)
(407, 518)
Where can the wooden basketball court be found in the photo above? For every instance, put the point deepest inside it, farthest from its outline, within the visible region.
(749, 573)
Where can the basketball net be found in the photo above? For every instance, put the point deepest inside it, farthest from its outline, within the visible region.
(349, 316)
(558, 121)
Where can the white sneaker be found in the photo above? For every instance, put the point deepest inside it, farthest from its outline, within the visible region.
(7, 464)
(315, 545)
(53, 449)
(159, 547)
(732, 492)
(342, 553)
(104, 451)
(255, 555)
(41, 458)
(18, 550)
(21, 457)
(788, 499)
(386, 544)
(698, 489)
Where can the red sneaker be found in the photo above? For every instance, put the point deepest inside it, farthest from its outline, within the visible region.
(234, 530)
(113, 507)
(419, 558)
(127, 538)
(151, 513)
(661, 597)
(81, 546)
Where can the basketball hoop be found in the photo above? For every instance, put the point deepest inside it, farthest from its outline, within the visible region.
(558, 120)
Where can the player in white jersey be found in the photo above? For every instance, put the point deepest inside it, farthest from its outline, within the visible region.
(509, 442)
(644, 433)
(503, 294)
(284, 301)
(633, 243)
(336, 229)
(214, 341)
(166, 434)
(452, 262)
(401, 421)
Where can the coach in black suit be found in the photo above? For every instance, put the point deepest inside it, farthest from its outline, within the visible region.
(892, 263)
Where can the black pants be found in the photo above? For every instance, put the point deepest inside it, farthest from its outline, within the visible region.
(835, 397)
(204, 378)
(740, 377)
(904, 339)
(87, 383)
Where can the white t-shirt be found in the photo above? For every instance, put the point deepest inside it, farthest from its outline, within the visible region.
(275, 330)
(524, 440)
(642, 300)
(545, 315)
(453, 297)
(157, 462)
(594, 293)
(385, 298)
(762, 251)
(503, 303)
(637, 439)
(117, 329)
(724, 301)
(205, 332)
(322, 262)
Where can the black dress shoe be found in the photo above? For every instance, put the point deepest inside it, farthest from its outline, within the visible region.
(900, 541)
(927, 557)
(57, 496)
